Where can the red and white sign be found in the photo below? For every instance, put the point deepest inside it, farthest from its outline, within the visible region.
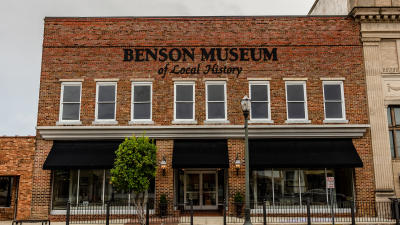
(330, 182)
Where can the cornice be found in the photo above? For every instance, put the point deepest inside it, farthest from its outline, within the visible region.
(202, 131)
(376, 14)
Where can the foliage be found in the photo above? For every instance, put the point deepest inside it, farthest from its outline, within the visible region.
(238, 197)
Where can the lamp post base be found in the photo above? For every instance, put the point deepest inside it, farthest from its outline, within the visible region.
(247, 220)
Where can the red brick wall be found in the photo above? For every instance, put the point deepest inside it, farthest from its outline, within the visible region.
(16, 160)
(309, 47)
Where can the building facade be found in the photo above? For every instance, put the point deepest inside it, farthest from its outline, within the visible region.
(380, 33)
(180, 81)
(16, 165)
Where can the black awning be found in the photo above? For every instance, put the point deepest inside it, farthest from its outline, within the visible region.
(200, 154)
(308, 153)
(81, 155)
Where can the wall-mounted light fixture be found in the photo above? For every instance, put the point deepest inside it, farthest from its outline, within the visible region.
(163, 165)
(237, 164)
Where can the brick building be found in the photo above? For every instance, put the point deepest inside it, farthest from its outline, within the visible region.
(16, 164)
(180, 80)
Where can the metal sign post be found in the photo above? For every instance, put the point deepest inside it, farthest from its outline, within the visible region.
(330, 184)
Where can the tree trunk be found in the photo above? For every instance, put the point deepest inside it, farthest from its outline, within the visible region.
(140, 202)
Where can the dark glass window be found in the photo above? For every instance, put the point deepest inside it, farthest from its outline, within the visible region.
(259, 101)
(393, 115)
(5, 191)
(216, 101)
(296, 103)
(70, 101)
(184, 101)
(334, 107)
(106, 101)
(141, 102)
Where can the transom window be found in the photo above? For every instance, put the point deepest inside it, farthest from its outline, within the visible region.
(141, 101)
(296, 100)
(259, 95)
(334, 100)
(216, 100)
(393, 115)
(105, 101)
(184, 101)
(70, 101)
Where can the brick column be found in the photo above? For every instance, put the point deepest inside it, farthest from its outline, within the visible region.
(236, 182)
(165, 184)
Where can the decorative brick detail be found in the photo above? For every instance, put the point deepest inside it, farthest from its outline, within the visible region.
(165, 184)
(236, 182)
(16, 155)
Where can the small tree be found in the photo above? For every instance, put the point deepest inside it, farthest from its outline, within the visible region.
(134, 167)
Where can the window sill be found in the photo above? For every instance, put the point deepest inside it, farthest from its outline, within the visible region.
(106, 122)
(298, 121)
(61, 123)
(184, 122)
(216, 121)
(335, 121)
(135, 122)
(261, 121)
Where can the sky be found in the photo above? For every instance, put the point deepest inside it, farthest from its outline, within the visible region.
(21, 37)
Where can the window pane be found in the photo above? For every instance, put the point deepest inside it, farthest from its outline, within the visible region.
(333, 109)
(70, 111)
(259, 92)
(72, 93)
(397, 115)
(216, 110)
(61, 189)
(391, 143)
(343, 184)
(5, 191)
(287, 190)
(389, 117)
(106, 110)
(90, 186)
(397, 143)
(141, 111)
(259, 110)
(107, 93)
(262, 180)
(313, 184)
(184, 92)
(296, 110)
(215, 93)
(295, 92)
(184, 110)
(141, 93)
(332, 92)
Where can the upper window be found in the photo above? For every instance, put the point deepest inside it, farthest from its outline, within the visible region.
(184, 101)
(106, 101)
(5, 191)
(334, 100)
(141, 101)
(216, 100)
(296, 100)
(393, 115)
(70, 101)
(259, 95)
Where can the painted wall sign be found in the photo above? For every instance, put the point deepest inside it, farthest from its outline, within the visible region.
(202, 54)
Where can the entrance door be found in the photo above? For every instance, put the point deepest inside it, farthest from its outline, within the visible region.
(201, 188)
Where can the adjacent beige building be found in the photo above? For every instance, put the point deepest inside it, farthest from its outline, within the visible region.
(380, 33)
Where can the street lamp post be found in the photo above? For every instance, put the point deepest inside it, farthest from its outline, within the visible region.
(245, 102)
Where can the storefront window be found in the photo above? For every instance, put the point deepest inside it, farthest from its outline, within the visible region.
(295, 186)
(5, 191)
(89, 187)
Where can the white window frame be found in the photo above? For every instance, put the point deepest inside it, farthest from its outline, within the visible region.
(63, 84)
(98, 84)
(223, 120)
(263, 120)
(333, 120)
(192, 120)
(144, 121)
(296, 120)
